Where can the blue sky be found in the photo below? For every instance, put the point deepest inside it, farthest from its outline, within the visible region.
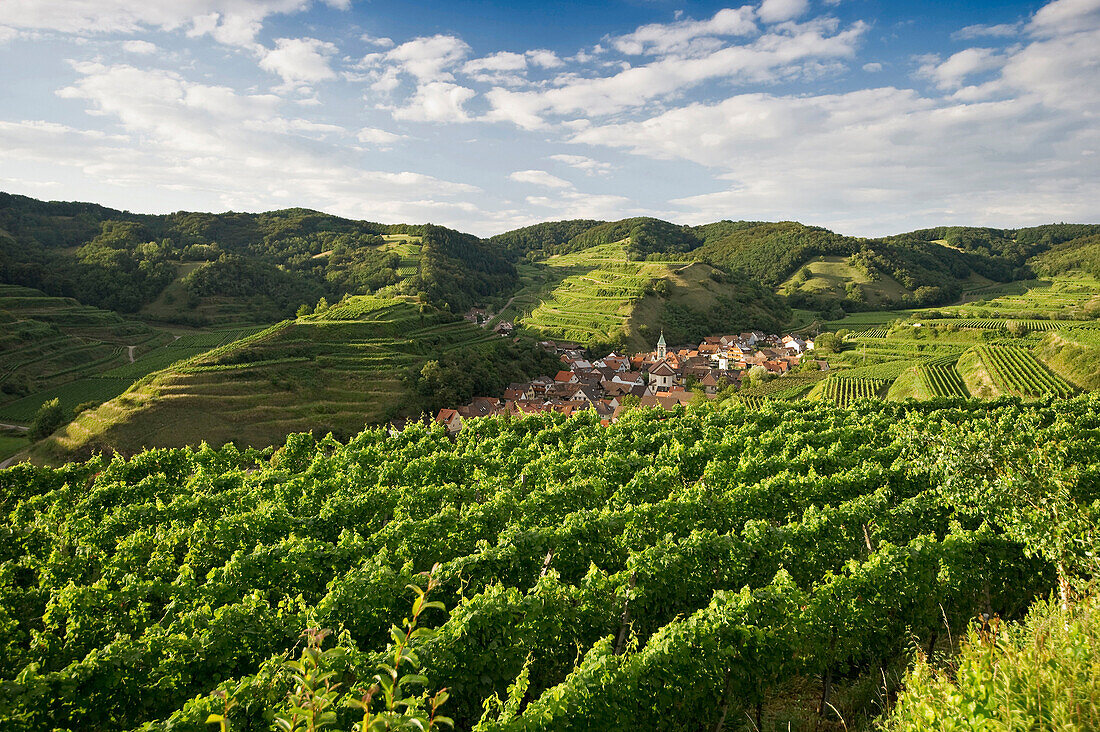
(868, 117)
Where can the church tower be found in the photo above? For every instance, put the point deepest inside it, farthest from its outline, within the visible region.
(662, 349)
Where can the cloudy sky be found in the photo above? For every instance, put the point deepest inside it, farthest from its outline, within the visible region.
(866, 116)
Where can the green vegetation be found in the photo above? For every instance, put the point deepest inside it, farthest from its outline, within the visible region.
(602, 296)
(1016, 371)
(843, 390)
(1073, 355)
(361, 362)
(197, 268)
(706, 568)
(1038, 674)
(942, 380)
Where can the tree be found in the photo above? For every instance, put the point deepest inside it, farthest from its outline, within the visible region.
(827, 343)
(304, 310)
(322, 306)
(47, 419)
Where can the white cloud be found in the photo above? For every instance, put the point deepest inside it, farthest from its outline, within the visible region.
(584, 163)
(428, 59)
(140, 47)
(300, 60)
(1066, 16)
(872, 68)
(565, 204)
(1003, 30)
(502, 61)
(7, 34)
(235, 22)
(504, 67)
(793, 51)
(380, 41)
(375, 136)
(190, 137)
(544, 58)
(437, 101)
(1014, 150)
(951, 74)
(539, 178)
(687, 35)
(777, 11)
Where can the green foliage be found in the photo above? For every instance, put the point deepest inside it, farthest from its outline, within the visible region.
(49, 417)
(827, 343)
(1040, 674)
(738, 553)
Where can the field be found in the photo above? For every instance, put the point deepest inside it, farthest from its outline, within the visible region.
(760, 564)
(585, 296)
(1071, 297)
(843, 390)
(943, 380)
(334, 372)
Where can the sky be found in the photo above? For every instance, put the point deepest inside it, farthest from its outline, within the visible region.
(864, 116)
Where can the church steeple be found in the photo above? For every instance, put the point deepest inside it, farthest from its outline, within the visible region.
(662, 349)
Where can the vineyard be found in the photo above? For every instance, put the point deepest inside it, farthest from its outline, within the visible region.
(1017, 371)
(665, 572)
(943, 380)
(842, 390)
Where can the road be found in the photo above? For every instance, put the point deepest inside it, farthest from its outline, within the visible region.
(131, 350)
(16, 427)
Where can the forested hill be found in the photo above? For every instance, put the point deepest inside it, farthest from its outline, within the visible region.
(924, 267)
(268, 264)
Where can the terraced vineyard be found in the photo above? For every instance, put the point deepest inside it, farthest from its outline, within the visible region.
(52, 346)
(942, 379)
(327, 372)
(843, 391)
(1018, 372)
(409, 249)
(594, 296)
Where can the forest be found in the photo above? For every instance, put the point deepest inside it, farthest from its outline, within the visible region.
(709, 568)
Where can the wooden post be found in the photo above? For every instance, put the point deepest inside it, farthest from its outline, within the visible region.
(626, 615)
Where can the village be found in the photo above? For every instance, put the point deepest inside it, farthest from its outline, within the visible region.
(662, 378)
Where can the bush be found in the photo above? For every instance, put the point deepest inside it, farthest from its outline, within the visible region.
(49, 417)
(1042, 674)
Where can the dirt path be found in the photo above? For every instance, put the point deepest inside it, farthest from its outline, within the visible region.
(15, 427)
(510, 300)
(8, 462)
(131, 350)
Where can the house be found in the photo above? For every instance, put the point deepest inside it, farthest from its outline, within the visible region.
(663, 375)
(565, 377)
(450, 419)
(504, 327)
(709, 384)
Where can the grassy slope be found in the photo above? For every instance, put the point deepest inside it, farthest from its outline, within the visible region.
(1041, 674)
(830, 276)
(320, 373)
(977, 379)
(908, 386)
(1073, 355)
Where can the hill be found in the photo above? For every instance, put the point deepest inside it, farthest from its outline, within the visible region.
(56, 347)
(363, 361)
(599, 295)
(201, 268)
(734, 568)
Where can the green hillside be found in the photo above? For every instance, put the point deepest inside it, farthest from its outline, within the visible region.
(55, 347)
(214, 269)
(358, 363)
(601, 295)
